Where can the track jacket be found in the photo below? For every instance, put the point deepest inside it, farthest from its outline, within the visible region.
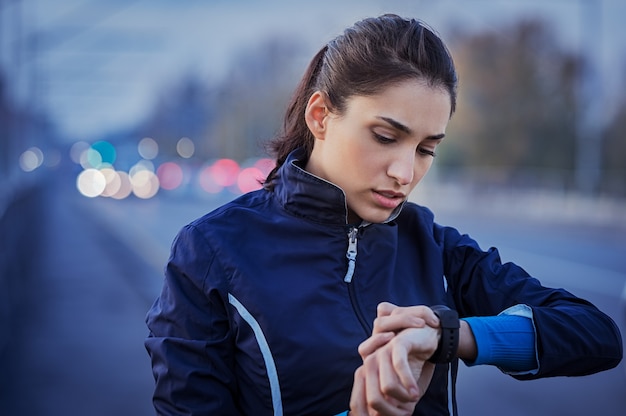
(267, 298)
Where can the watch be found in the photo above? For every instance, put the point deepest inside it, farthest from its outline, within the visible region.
(449, 340)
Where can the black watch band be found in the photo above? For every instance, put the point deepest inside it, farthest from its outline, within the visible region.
(449, 340)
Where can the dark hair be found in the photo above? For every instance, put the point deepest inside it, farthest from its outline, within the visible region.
(368, 57)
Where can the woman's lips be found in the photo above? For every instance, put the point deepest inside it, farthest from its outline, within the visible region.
(388, 199)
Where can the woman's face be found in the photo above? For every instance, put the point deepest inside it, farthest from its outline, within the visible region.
(381, 147)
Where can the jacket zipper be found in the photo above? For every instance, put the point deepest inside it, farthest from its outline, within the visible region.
(351, 253)
(351, 256)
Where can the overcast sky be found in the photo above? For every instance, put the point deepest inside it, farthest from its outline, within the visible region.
(97, 65)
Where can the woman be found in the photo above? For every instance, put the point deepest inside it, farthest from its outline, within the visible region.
(316, 295)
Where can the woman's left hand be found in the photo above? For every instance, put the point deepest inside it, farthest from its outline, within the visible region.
(392, 318)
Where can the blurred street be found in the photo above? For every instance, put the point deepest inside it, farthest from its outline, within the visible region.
(77, 345)
(77, 342)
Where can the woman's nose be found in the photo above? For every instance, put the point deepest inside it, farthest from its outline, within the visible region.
(402, 169)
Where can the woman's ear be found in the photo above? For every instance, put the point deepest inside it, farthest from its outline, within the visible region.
(316, 114)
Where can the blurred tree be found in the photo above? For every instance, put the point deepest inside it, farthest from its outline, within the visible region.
(253, 98)
(182, 110)
(233, 117)
(517, 107)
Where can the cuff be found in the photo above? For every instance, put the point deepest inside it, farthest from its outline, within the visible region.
(506, 341)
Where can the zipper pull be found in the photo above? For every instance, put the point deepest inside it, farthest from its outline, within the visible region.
(351, 254)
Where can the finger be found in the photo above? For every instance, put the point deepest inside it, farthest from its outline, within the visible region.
(385, 308)
(373, 343)
(390, 383)
(421, 311)
(377, 403)
(395, 318)
(406, 373)
(378, 368)
(358, 404)
(397, 322)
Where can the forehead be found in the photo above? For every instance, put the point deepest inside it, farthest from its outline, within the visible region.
(413, 103)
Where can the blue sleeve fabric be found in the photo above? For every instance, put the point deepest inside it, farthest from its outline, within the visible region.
(506, 341)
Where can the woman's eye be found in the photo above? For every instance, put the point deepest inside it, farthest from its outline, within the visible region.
(426, 152)
(383, 139)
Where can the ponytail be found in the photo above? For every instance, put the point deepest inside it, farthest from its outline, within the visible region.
(295, 133)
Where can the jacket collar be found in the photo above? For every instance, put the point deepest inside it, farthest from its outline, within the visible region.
(306, 195)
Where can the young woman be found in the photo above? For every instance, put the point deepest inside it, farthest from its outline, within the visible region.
(326, 291)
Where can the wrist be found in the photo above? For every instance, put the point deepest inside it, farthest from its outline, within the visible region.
(449, 335)
(467, 349)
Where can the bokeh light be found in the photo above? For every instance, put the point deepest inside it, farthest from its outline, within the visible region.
(113, 182)
(265, 165)
(143, 180)
(225, 172)
(106, 154)
(31, 159)
(248, 179)
(207, 181)
(148, 148)
(185, 147)
(170, 175)
(99, 155)
(77, 150)
(141, 165)
(145, 184)
(91, 182)
(125, 188)
(91, 158)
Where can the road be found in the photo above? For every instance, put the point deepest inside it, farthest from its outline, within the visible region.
(76, 345)
(79, 347)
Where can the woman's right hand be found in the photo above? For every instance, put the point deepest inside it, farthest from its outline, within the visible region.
(394, 376)
(395, 372)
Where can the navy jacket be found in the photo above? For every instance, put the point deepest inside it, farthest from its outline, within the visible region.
(259, 315)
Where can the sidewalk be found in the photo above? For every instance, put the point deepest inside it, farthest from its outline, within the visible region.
(79, 348)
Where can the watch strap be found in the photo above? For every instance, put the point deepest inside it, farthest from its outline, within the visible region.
(449, 340)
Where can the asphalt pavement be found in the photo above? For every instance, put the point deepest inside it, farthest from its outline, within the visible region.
(76, 340)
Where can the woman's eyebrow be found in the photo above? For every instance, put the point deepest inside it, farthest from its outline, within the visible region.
(436, 137)
(405, 129)
(395, 124)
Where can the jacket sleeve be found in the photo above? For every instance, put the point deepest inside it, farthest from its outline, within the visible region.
(574, 338)
(189, 340)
